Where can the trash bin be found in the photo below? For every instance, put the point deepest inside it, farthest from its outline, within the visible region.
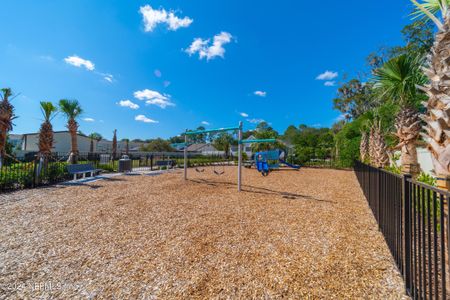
(125, 164)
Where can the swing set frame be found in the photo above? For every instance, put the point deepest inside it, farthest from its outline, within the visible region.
(240, 143)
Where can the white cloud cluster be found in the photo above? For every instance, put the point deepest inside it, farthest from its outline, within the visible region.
(154, 98)
(88, 120)
(255, 121)
(327, 75)
(205, 123)
(208, 50)
(79, 62)
(142, 118)
(243, 114)
(260, 93)
(153, 17)
(128, 103)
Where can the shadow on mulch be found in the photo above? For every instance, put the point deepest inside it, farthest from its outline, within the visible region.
(260, 190)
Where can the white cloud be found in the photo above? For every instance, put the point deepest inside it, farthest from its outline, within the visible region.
(243, 114)
(128, 103)
(154, 98)
(205, 123)
(327, 75)
(153, 17)
(108, 77)
(260, 93)
(142, 118)
(157, 73)
(88, 120)
(255, 121)
(80, 62)
(208, 50)
(330, 83)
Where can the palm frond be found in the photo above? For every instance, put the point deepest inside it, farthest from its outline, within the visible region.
(71, 108)
(428, 9)
(48, 110)
(398, 78)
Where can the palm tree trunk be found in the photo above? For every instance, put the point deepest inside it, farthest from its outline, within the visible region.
(73, 127)
(408, 130)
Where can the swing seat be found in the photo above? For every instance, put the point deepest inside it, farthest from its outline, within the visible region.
(199, 170)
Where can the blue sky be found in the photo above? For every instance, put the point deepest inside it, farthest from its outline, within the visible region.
(188, 62)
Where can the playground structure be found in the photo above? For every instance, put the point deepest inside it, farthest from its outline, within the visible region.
(240, 143)
(267, 161)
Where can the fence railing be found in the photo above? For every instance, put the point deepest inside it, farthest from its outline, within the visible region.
(29, 172)
(413, 218)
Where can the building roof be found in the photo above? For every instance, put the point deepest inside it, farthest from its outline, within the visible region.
(199, 147)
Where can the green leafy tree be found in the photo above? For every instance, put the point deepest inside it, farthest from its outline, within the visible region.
(157, 145)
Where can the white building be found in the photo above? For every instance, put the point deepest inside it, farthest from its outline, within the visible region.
(61, 142)
(204, 149)
(247, 148)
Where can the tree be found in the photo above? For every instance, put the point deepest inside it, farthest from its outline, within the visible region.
(114, 144)
(396, 81)
(364, 146)
(94, 137)
(354, 99)
(46, 131)
(72, 110)
(127, 146)
(222, 142)
(378, 150)
(6, 118)
(157, 145)
(437, 117)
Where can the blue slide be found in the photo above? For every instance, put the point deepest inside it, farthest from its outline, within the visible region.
(289, 165)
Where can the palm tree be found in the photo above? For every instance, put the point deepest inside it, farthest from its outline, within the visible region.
(396, 81)
(114, 144)
(127, 146)
(437, 118)
(46, 131)
(6, 118)
(364, 146)
(94, 137)
(377, 146)
(72, 110)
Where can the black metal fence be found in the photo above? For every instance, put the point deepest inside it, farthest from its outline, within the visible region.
(29, 172)
(413, 218)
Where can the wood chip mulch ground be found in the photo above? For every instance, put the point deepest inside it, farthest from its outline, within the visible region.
(306, 234)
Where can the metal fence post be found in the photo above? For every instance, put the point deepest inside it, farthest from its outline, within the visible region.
(407, 234)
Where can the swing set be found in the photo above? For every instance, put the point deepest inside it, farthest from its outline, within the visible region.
(215, 166)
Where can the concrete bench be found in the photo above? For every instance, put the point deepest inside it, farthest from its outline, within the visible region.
(82, 169)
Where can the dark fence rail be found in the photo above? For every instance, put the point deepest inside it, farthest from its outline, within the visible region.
(29, 172)
(413, 218)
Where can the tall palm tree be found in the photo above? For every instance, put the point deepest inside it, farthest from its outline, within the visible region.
(364, 146)
(46, 131)
(94, 137)
(114, 144)
(378, 150)
(437, 117)
(72, 110)
(127, 146)
(397, 81)
(6, 118)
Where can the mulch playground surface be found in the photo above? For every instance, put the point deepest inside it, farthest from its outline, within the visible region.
(294, 234)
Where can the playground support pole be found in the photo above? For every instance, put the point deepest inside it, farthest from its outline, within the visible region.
(185, 157)
(239, 156)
